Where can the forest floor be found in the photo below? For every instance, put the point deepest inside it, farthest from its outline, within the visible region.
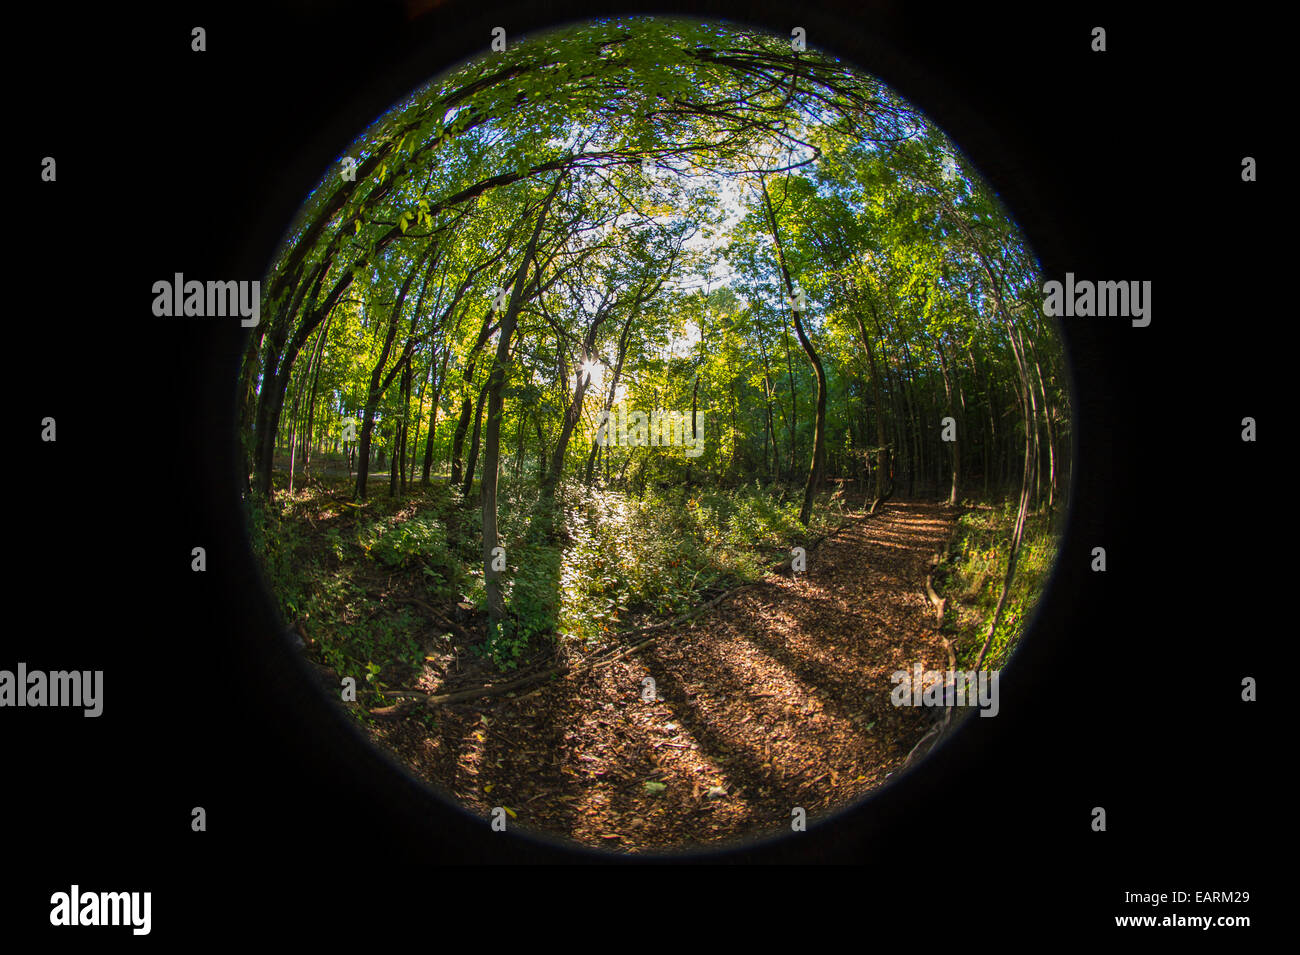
(777, 697)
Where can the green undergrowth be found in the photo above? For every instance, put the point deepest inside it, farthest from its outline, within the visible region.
(661, 554)
(578, 569)
(323, 557)
(971, 579)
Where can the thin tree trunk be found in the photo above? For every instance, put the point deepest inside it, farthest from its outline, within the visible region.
(433, 416)
(613, 389)
(419, 420)
(311, 406)
(819, 428)
(467, 484)
(378, 384)
(492, 440)
(956, 445)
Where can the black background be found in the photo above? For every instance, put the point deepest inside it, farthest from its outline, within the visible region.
(1119, 165)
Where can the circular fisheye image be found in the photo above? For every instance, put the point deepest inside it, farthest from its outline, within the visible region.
(654, 436)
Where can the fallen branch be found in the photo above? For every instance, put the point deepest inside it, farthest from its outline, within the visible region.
(563, 669)
(933, 729)
(432, 611)
(785, 565)
(939, 602)
(597, 659)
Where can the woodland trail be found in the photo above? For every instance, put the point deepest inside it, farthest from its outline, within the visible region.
(777, 697)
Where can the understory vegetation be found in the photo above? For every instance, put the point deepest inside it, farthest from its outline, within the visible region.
(971, 578)
(593, 563)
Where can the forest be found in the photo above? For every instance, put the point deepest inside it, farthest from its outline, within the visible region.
(627, 404)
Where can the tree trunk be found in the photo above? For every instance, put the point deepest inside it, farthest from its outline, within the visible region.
(613, 389)
(883, 491)
(467, 484)
(492, 440)
(311, 406)
(819, 428)
(378, 384)
(433, 417)
(956, 445)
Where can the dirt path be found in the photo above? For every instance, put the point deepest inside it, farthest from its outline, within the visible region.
(777, 698)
